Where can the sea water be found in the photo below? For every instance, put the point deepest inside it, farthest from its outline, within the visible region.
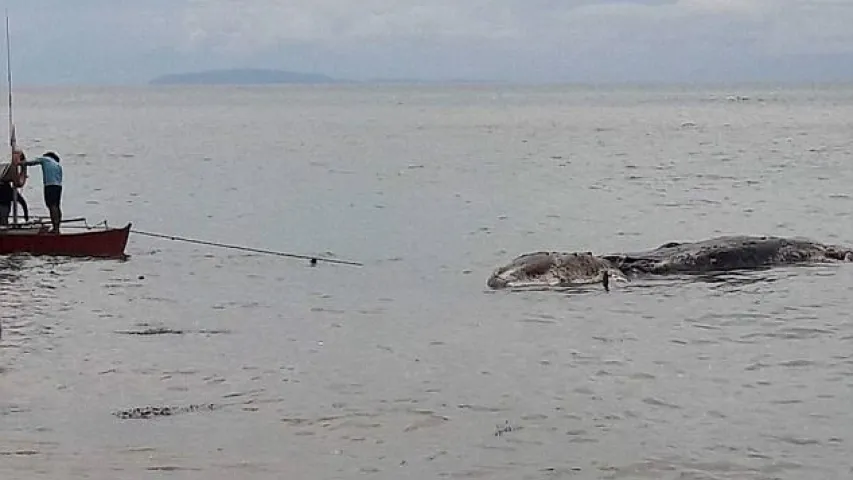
(409, 366)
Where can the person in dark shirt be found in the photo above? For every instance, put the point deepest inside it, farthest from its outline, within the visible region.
(6, 196)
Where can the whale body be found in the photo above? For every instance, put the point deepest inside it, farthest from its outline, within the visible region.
(718, 254)
(726, 253)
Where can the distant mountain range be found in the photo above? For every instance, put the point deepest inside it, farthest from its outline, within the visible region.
(248, 76)
(258, 76)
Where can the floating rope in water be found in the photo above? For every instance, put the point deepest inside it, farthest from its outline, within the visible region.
(313, 260)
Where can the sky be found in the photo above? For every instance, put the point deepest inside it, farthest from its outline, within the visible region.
(525, 41)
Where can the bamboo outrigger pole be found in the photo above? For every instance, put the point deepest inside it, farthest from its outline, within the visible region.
(11, 130)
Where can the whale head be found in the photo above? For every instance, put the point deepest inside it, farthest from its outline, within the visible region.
(554, 269)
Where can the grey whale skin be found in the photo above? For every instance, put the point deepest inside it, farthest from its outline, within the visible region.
(712, 255)
(554, 269)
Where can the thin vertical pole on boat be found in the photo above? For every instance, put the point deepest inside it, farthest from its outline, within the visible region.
(11, 129)
(11, 123)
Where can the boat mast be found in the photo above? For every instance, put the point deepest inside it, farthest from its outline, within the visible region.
(11, 123)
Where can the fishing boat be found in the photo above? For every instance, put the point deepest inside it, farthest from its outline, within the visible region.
(35, 238)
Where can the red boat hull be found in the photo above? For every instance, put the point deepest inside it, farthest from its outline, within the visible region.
(101, 243)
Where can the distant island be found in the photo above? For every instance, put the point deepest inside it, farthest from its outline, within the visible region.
(260, 76)
(248, 76)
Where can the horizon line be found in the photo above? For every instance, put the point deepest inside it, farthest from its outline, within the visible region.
(453, 82)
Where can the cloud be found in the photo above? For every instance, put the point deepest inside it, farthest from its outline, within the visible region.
(81, 40)
(739, 7)
(519, 39)
(241, 26)
(797, 27)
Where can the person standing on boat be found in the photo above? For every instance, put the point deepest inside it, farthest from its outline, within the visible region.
(6, 203)
(51, 172)
(8, 182)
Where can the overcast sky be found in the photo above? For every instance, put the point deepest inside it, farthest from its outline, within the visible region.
(131, 41)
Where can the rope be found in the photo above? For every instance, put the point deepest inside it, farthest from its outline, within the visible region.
(247, 249)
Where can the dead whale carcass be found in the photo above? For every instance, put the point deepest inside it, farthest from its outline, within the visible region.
(555, 269)
(728, 253)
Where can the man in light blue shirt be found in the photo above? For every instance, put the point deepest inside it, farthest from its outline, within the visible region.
(51, 172)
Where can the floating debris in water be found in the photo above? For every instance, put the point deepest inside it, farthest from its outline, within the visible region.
(505, 428)
(147, 412)
(168, 331)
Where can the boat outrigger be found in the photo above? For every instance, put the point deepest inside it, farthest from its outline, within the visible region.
(34, 237)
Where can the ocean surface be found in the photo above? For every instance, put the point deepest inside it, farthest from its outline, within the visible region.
(408, 366)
